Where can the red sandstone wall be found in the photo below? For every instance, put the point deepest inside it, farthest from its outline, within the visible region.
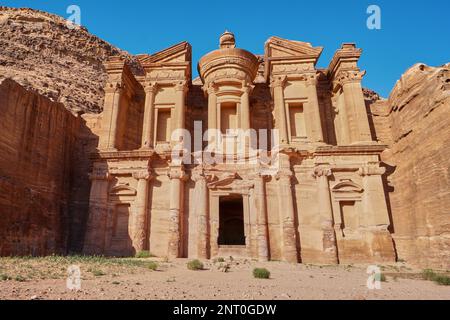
(414, 122)
(36, 141)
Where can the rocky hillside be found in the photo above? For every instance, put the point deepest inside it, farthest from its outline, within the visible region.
(415, 123)
(41, 53)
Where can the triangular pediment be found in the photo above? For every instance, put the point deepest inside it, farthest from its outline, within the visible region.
(282, 48)
(179, 53)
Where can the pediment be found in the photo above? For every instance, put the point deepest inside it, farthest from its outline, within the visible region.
(282, 48)
(122, 190)
(179, 53)
(347, 187)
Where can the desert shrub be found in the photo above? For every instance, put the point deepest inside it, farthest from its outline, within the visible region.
(261, 273)
(430, 275)
(442, 280)
(220, 259)
(195, 265)
(4, 277)
(97, 272)
(20, 279)
(153, 266)
(144, 254)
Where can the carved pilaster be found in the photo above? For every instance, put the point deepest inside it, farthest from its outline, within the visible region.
(261, 209)
(286, 207)
(177, 177)
(326, 213)
(139, 234)
(151, 88)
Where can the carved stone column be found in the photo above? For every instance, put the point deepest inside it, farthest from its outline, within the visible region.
(278, 84)
(180, 109)
(98, 210)
(245, 108)
(375, 215)
(148, 125)
(374, 201)
(212, 110)
(177, 176)
(355, 106)
(201, 200)
(111, 120)
(287, 211)
(326, 215)
(139, 234)
(313, 104)
(261, 209)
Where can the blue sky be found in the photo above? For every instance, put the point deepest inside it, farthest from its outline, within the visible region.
(412, 31)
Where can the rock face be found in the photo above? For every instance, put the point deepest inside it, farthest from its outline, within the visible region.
(36, 142)
(40, 52)
(415, 123)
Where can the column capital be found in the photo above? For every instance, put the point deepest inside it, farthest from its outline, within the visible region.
(112, 87)
(210, 88)
(150, 87)
(311, 78)
(177, 172)
(181, 86)
(143, 175)
(322, 172)
(278, 81)
(201, 174)
(348, 76)
(371, 171)
(284, 175)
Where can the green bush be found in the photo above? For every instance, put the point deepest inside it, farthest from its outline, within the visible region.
(153, 266)
(195, 265)
(220, 259)
(261, 273)
(442, 280)
(430, 275)
(144, 254)
(20, 279)
(4, 277)
(98, 272)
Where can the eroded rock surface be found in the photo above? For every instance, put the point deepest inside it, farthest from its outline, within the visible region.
(40, 52)
(415, 123)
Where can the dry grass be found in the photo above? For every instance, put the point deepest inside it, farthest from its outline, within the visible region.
(55, 267)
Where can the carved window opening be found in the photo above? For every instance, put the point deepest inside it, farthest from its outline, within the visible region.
(349, 215)
(228, 118)
(231, 221)
(163, 127)
(297, 121)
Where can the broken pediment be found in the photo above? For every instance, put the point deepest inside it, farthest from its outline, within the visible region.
(281, 48)
(122, 190)
(347, 187)
(179, 53)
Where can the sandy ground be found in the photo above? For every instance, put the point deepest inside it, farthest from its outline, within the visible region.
(41, 279)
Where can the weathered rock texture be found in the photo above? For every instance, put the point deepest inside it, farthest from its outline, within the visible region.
(40, 52)
(415, 123)
(36, 142)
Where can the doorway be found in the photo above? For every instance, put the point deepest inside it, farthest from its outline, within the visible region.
(231, 221)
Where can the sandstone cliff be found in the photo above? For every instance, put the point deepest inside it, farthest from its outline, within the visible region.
(41, 53)
(415, 123)
(36, 142)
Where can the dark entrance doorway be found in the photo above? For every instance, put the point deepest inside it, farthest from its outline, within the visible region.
(231, 221)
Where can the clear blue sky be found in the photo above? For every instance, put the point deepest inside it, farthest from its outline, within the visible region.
(412, 31)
